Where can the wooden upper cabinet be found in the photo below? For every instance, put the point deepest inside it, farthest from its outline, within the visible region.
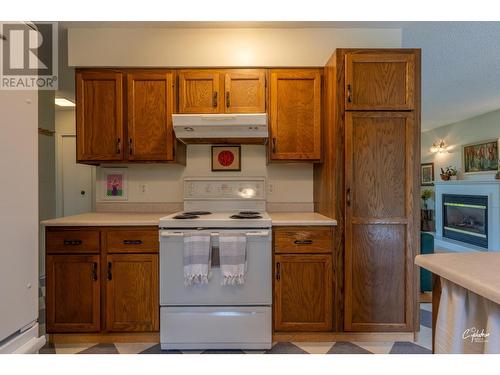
(132, 289)
(150, 105)
(199, 91)
(99, 116)
(295, 114)
(245, 91)
(303, 293)
(73, 298)
(380, 81)
(222, 91)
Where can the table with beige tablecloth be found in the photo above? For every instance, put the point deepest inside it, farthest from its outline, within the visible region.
(468, 316)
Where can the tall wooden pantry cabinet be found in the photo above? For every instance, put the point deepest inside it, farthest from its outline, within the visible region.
(369, 182)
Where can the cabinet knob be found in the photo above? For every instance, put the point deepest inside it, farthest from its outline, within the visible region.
(110, 273)
(278, 271)
(94, 271)
(348, 197)
(130, 146)
(118, 144)
(214, 99)
(228, 99)
(274, 145)
(82, 192)
(349, 94)
(303, 242)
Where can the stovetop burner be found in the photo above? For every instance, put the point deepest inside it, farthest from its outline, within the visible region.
(185, 216)
(240, 216)
(196, 213)
(248, 213)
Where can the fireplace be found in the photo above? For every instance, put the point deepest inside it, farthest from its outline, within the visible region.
(465, 218)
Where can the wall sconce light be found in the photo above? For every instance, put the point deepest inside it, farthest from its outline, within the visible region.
(439, 147)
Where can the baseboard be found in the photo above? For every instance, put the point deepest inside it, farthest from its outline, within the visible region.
(343, 336)
(103, 338)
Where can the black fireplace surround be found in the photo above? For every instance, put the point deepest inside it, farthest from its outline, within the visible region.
(465, 218)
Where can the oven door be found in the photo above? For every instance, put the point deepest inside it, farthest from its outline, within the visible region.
(257, 289)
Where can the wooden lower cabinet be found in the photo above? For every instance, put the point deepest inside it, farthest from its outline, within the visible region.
(303, 292)
(132, 293)
(73, 293)
(113, 290)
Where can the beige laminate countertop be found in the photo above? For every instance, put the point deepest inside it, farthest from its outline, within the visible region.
(146, 219)
(477, 272)
(300, 218)
(107, 219)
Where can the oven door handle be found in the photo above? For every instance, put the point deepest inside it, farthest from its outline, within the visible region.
(262, 233)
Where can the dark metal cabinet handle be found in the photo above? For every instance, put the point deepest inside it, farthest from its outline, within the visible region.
(118, 144)
(274, 145)
(303, 242)
(348, 197)
(278, 271)
(214, 99)
(130, 146)
(110, 273)
(349, 94)
(94, 271)
(73, 242)
(228, 99)
(132, 242)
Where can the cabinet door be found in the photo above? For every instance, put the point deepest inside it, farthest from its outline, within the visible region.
(132, 303)
(73, 303)
(150, 105)
(303, 293)
(295, 111)
(381, 227)
(245, 91)
(380, 81)
(199, 91)
(99, 116)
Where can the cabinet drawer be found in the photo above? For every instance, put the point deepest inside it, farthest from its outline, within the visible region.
(72, 241)
(302, 240)
(132, 241)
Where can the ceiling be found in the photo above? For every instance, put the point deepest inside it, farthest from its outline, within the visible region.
(460, 60)
(460, 69)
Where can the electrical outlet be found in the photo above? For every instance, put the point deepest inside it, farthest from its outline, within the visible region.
(144, 188)
(270, 188)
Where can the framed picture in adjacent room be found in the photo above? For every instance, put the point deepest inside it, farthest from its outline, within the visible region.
(114, 184)
(427, 174)
(226, 158)
(480, 157)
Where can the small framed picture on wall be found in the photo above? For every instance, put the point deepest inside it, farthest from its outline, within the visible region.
(427, 174)
(114, 184)
(226, 158)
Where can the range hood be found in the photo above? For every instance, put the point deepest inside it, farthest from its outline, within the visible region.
(210, 128)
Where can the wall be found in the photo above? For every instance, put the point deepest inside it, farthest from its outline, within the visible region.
(46, 167)
(456, 135)
(218, 47)
(291, 184)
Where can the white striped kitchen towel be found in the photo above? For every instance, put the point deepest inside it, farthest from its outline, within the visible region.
(233, 258)
(196, 258)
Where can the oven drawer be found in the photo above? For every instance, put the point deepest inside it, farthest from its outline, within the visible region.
(222, 327)
(72, 241)
(132, 241)
(302, 240)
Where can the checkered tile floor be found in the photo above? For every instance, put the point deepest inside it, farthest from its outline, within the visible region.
(421, 346)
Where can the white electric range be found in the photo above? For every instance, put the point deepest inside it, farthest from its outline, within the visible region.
(212, 316)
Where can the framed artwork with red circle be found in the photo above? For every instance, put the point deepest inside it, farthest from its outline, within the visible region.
(226, 158)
